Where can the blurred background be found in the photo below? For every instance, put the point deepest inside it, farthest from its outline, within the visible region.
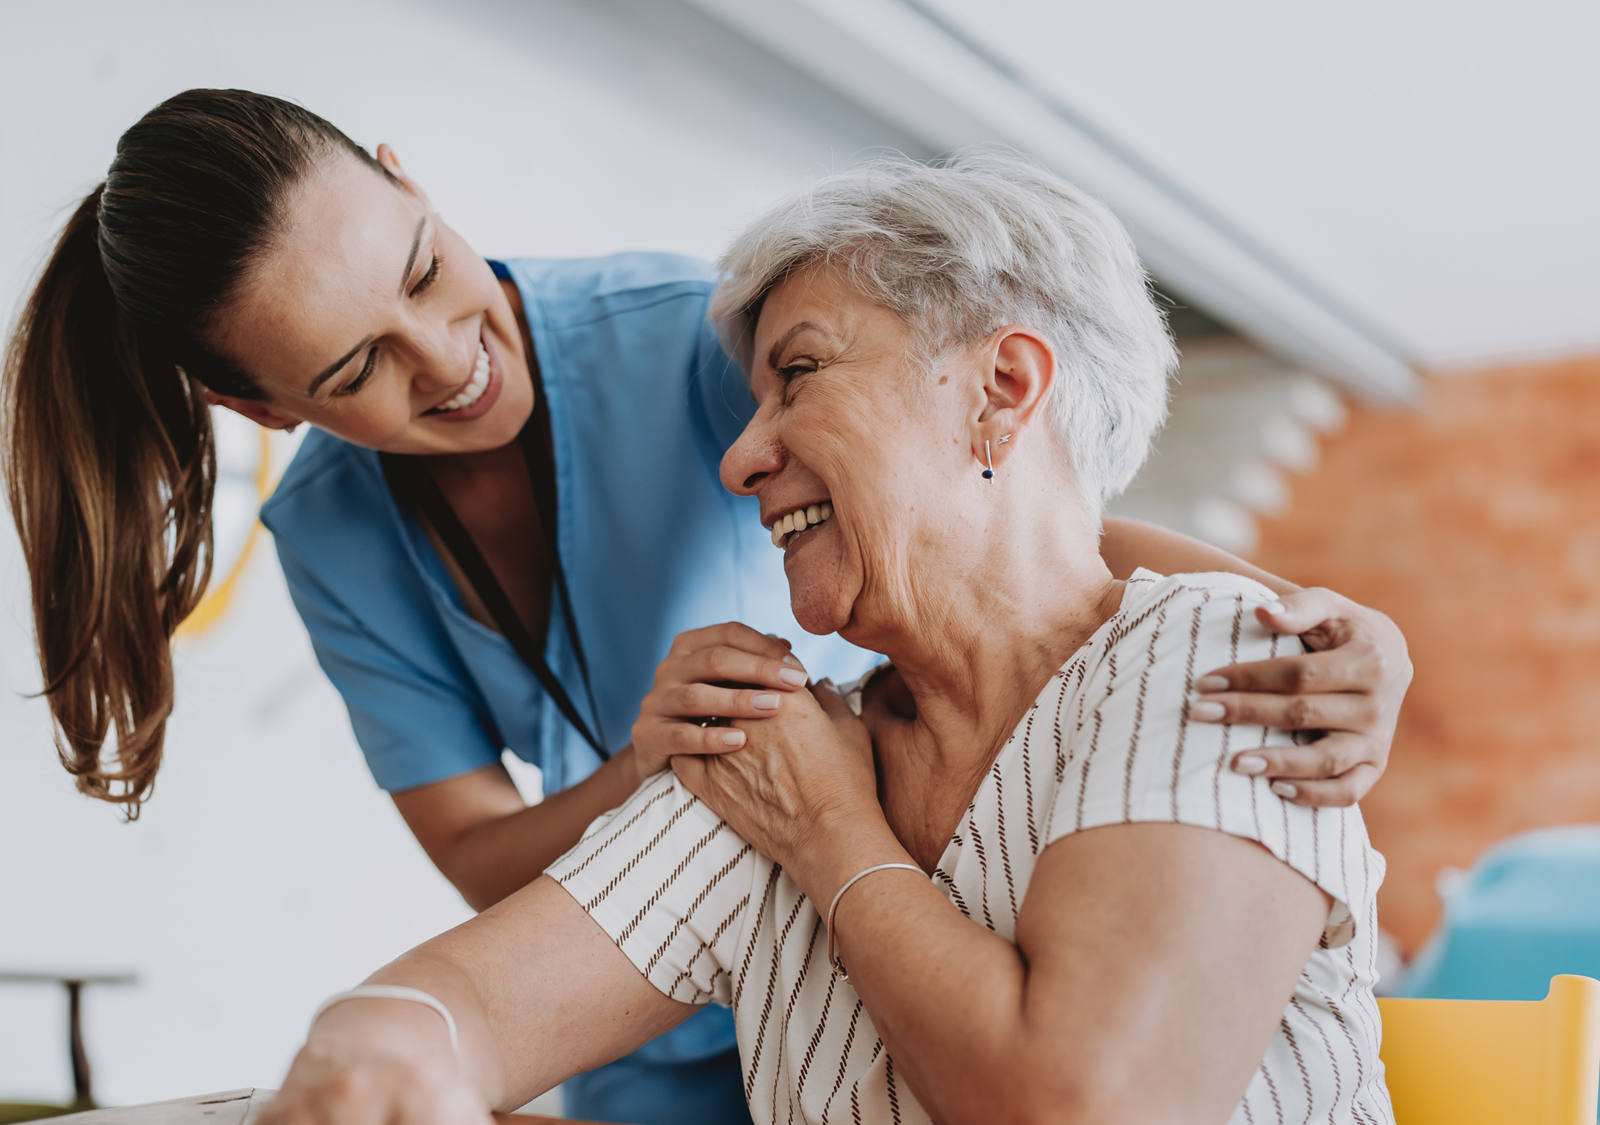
(1377, 228)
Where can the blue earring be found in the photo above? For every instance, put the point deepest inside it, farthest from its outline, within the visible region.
(988, 473)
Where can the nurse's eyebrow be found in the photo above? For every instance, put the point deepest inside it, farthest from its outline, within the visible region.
(411, 258)
(333, 368)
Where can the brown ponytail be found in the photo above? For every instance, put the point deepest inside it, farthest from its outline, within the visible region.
(110, 466)
(109, 456)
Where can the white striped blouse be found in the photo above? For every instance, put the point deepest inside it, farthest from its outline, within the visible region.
(1108, 741)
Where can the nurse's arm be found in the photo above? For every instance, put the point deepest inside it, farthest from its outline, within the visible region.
(538, 991)
(1128, 544)
(488, 842)
(1350, 687)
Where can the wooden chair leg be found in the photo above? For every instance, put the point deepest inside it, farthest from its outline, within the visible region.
(82, 1097)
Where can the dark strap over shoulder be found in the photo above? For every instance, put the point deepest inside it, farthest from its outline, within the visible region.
(413, 483)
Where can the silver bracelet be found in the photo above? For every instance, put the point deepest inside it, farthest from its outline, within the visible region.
(394, 992)
(833, 907)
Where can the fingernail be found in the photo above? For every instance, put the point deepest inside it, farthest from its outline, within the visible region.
(1284, 790)
(1206, 712)
(766, 701)
(794, 677)
(1211, 683)
(793, 661)
(1249, 763)
(1273, 608)
(733, 738)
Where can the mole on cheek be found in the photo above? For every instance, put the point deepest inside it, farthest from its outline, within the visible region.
(943, 379)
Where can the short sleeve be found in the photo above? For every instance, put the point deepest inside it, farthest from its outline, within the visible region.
(1137, 756)
(671, 884)
(413, 727)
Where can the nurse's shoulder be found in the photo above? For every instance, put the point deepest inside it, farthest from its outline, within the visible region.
(568, 290)
(333, 514)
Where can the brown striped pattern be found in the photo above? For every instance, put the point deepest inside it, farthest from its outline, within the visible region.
(1108, 741)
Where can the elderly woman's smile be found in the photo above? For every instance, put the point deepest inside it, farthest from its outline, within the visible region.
(789, 528)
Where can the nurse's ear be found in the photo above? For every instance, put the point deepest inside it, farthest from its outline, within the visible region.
(261, 413)
(391, 164)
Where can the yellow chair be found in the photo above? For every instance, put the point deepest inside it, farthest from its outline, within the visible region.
(1495, 1062)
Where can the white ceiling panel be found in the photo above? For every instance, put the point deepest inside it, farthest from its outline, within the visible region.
(1432, 165)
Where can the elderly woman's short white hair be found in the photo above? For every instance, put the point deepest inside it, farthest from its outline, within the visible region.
(962, 248)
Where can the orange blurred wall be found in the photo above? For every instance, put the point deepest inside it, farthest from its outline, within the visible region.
(1475, 522)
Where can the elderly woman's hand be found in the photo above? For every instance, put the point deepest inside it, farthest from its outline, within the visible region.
(709, 676)
(353, 1086)
(1350, 687)
(808, 768)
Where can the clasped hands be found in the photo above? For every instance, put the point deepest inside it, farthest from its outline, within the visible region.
(812, 756)
(815, 756)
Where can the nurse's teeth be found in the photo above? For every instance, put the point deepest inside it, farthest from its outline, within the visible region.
(475, 388)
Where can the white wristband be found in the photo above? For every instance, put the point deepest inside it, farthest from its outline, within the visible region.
(394, 992)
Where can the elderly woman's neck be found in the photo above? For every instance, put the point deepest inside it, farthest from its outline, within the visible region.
(973, 659)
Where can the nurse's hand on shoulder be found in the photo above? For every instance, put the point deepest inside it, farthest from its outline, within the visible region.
(711, 677)
(1347, 690)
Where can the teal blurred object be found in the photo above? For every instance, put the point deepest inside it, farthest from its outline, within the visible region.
(1528, 910)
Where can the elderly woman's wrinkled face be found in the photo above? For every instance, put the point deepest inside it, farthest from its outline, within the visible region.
(853, 452)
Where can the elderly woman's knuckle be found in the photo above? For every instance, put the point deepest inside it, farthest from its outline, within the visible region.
(344, 1089)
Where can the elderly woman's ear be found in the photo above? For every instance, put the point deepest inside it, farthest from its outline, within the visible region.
(1019, 368)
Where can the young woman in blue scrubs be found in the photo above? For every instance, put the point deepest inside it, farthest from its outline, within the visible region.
(510, 509)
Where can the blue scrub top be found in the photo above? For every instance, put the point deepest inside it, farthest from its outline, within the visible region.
(642, 402)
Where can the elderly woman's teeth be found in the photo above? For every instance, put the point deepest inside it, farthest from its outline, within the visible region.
(801, 519)
(474, 389)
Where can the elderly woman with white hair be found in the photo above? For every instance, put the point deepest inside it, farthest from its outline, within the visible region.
(1008, 876)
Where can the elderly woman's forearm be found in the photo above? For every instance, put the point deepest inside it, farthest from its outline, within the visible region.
(1129, 544)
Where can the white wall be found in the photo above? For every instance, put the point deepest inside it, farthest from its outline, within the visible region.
(268, 871)
(1430, 163)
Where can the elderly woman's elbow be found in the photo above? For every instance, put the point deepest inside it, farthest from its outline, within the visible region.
(1069, 1085)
